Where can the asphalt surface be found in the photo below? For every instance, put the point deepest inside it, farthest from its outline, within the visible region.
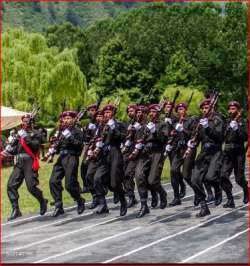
(172, 235)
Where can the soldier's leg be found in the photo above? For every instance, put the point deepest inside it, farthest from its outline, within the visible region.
(175, 173)
(92, 167)
(15, 181)
(117, 177)
(226, 170)
(70, 164)
(129, 184)
(141, 174)
(213, 176)
(101, 174)
(32, 181)
(239, 172)
(188, 166)
(198, 176)
(154, 177)
(83, 170)
(209, 191)
(55, 184)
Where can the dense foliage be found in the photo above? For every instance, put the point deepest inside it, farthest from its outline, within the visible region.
(191, 46)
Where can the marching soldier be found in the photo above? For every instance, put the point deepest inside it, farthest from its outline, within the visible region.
(129, 165)
(89, 132)
(92, 161)
(234, 154)
(26, 145)
(208, 162)
(69, 149)
(110, 169)
(168, 106)
(150, 149)
(180, 136)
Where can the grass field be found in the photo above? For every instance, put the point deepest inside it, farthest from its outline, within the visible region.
(28, 204)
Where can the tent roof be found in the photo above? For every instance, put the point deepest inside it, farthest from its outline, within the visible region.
(10, 117)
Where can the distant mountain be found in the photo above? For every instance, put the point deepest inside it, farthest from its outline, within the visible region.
(37, 16)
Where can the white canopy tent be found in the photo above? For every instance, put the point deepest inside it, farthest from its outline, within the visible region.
(10, 117)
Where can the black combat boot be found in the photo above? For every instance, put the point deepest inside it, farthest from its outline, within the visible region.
(183, 191)
(132, 201)
(80, 206)
(94, 203)
(143, 211)
(246, 196)
(176, 201)
(58, 211)
(15, 213)
(163, 199)
(204, 210)
(43, 206)
(102, 207)
(123, 207)
(229, 203)
(154, 200)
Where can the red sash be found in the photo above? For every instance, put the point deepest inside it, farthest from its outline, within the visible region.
(35, 157)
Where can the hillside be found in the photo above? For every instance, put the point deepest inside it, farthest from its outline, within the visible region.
(37, 16)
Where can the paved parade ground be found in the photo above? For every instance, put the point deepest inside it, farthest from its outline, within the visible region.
(172, 235)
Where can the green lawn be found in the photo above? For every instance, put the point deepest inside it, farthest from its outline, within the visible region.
(28, 204)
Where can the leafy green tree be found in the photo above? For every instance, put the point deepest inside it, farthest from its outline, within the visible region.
(184, 96)
(118, 69)
(33, 74)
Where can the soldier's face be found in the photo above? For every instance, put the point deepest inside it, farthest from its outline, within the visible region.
(99, 119)
(131, 112)
(68, 120)
(232, 110)
(139, 115)
(181, 111)
(108, 114)
(152, 114)
(167, 108)
(205, 109)
(25, 123)
(91, 111)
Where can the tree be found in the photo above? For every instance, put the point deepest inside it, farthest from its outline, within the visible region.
(33, 74)
(118, 69)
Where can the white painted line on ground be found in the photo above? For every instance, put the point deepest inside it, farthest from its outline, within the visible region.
(172, 236)
(87, 245)
(44, 226)
(61, 221)
(138, 228)
(214, 246)
(65, 234)
(88, 227)
(50, 212)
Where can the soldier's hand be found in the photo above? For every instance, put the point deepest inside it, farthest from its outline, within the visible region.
(22, 133)
(111, 123)
(179, 127)
(66, 133)
(168, 120)
(137, 126)
(168, 148)
(91, 126)
(234, 125)
(151, 127)
(204, 122)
